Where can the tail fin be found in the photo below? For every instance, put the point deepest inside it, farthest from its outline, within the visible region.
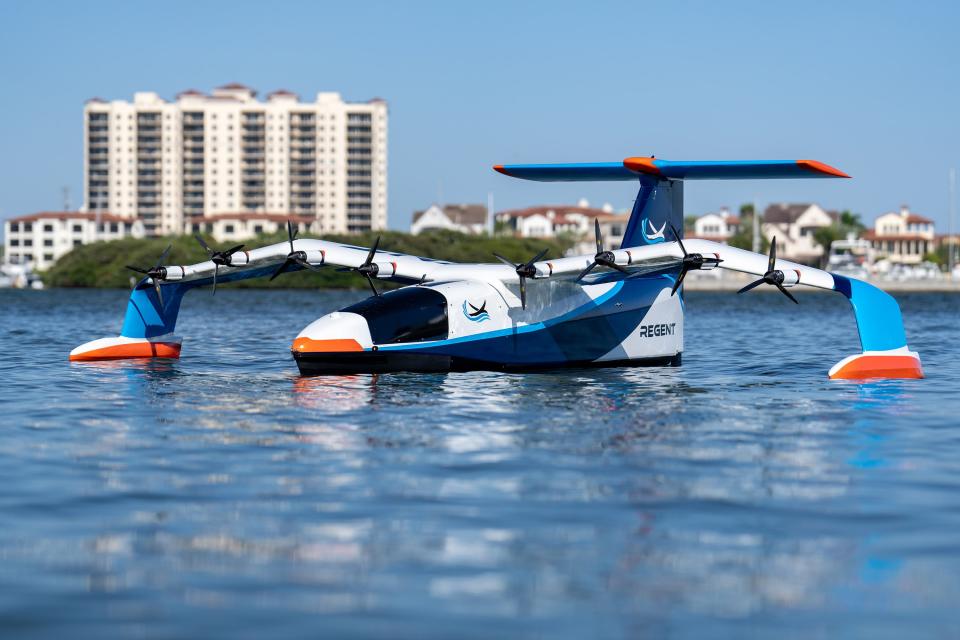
(659, 202)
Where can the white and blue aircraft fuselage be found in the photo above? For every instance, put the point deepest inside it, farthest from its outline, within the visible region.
(613, 308)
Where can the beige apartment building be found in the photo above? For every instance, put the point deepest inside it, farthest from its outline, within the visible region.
(174, 164)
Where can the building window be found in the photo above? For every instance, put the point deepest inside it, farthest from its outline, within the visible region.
(77, 243)
(28, 226)
(28, 242)
(48, 257)
(14, 242)
(48, 243)
(77, 228)
(228, 228)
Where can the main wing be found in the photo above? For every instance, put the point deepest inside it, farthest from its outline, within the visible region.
(321, 253)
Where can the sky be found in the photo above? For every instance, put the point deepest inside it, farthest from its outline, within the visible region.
(869, 87)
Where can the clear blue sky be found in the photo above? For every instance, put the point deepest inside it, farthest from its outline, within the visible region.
(869, 87)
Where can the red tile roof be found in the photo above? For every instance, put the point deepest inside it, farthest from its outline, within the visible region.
(249, 215)
(915, 219)
(69, 215)
(233, 86)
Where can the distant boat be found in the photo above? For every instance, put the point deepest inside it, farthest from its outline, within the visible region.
(19, 276)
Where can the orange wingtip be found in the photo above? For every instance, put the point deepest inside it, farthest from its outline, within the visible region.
(326, 346)
(819, 167)
(499, 169)
(873, 367)
(642, 165)
(130, 350)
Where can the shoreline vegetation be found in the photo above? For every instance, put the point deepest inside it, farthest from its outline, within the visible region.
(103, 264)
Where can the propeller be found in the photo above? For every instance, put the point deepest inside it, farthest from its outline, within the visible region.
(369, 268)
(156, 273)
(691, 261)
(524, 270)
(219, 258)
(602, 258)
(294, 257)
(772, 276)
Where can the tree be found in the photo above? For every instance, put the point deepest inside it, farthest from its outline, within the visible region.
(743, 238)
(689, 222)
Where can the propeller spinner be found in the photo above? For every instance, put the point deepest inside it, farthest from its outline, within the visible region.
(602, 258)
(369, 268)
(156, 273)
(772, 276)
(219, 258)
(524, 271)
(691, 261)
(294, 257)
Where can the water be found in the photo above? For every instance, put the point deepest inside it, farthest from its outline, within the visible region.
(224, 496)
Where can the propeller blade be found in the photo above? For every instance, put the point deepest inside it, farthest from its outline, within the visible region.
(680, 277)
(290, 234)
(137, 269)
(537, 257)
(504, 260)
(596, 229)
(216, 268)
(584, 273)
(523, 293)
(752, 285)
(163, 256)
(203, 244)
(280, 269)
(773, 254)
(676, 235)
(307, 265)
(372, 286)
(156, 287)
(373, 251)
(233, 250)
(784, 291)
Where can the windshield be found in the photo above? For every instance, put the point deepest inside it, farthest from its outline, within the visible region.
(411, 314)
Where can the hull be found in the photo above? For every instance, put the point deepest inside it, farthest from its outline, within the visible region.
(624, 323)
(316, 364)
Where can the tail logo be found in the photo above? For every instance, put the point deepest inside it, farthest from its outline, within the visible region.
(477, 314)
(654, 235)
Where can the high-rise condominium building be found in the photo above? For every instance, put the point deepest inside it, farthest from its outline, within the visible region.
(174, 164)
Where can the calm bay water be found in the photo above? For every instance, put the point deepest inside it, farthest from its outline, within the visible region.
(224, 496)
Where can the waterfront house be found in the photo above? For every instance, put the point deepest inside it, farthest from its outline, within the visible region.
(718, 227)
(794, 226)
(465, 218)
(902, 237)
(40, 239)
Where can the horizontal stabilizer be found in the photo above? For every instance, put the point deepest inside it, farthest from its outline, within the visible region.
(632, 168)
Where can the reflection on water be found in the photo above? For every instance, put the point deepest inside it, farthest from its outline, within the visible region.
(223, 494)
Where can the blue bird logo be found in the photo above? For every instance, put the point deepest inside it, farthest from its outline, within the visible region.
(478, 314)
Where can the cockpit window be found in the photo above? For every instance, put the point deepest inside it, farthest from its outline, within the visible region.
(411, 314)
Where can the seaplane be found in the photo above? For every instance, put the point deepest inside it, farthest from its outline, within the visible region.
(612, 308)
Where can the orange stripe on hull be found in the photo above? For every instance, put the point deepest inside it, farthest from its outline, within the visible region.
(326, 346)
(130, 350)
(868, 367)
